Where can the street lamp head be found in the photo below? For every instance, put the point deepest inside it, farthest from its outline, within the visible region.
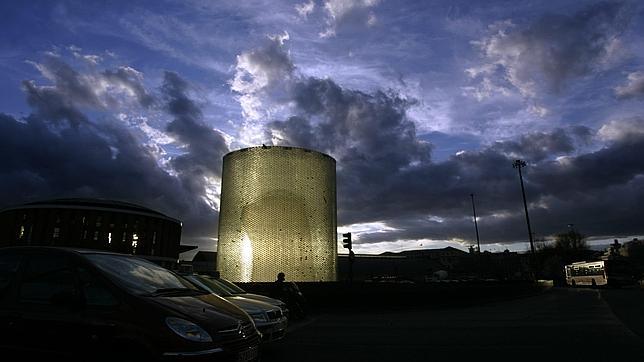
(518, 164)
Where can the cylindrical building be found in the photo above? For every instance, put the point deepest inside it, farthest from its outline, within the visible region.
(277, 214)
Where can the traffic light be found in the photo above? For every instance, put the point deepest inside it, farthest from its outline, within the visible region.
(346, 241)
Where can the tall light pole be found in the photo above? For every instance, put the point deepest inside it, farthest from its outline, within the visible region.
(519, 164)
(476, 226)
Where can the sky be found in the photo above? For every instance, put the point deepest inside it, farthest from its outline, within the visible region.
(421, 103)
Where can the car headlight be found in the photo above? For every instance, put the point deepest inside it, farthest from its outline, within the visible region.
(258, 317)
(187, 330)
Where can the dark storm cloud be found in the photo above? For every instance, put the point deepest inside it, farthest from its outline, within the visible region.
(491, 229)
(442, 189)
(87, 161)
(61, 100)
(614, 210)
(58, 151)
(601, 193)
(51, 104)
(72, 91)
(616, 164)
(297, 131)
(569, 46)
(386, 176)
(384, 169)
(555, 48)
(590, 190)
(72, 85)
(204, 146)
(385, 173)
(541, 145)
(369, 134)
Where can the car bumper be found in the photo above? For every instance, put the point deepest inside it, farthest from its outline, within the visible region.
(216, 354)
(273, 331)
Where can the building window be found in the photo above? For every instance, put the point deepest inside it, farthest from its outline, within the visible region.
(135, 242)
(109, 238)
(21, 232)
(95, 235)
(56, 233)
(98, 221)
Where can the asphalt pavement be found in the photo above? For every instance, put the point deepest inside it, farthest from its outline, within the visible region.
(559, 324)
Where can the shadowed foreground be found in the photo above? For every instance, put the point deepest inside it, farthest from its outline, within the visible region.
(560, 323)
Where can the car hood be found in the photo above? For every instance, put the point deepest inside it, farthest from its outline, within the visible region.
(250, 305)
(207, 310)
(262, 298)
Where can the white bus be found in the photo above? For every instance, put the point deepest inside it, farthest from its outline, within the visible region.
(586, 273)
(594, 273)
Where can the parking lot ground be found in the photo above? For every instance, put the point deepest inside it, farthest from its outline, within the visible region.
(561, 324)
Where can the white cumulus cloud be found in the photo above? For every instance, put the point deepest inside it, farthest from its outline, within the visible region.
(305, 9)
(348, 13)
(634, 86)
(542, 57)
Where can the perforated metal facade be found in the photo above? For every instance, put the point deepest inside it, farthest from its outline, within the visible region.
(277, 214)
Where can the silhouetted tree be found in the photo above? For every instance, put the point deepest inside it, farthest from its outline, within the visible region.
(571, 242)
(634, 253)
(568, 247)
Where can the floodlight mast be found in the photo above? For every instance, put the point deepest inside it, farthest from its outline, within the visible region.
(476, 226)
(519, 164)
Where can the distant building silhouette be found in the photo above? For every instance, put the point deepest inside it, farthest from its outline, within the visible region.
(204, 262)
(436, 264)
(93, 224)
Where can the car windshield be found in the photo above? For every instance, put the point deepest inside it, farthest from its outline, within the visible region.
(210, 285)
(141, 277)
(231, 286)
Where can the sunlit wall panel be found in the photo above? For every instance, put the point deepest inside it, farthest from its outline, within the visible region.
(277, 214)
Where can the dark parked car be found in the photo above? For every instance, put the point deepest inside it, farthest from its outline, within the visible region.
(269, 319)
(234, 289)
(93, 304)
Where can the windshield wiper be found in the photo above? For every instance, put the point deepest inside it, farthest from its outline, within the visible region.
(173, 291)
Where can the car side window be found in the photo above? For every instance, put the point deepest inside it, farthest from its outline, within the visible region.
(96, 293)
(46, 279)
(9, 264)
